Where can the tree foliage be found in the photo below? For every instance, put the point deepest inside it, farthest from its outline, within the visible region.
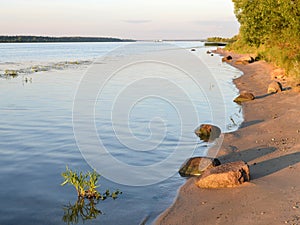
(272, 27)
(268, 21)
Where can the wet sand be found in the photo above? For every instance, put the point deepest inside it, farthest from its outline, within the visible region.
(269, 141)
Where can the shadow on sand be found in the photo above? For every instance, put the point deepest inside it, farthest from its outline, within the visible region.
(273, 165)
(250, 123)
(266, 95)
(266, 167)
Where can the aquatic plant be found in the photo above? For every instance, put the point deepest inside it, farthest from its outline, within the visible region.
(86, 184)
(12, 73)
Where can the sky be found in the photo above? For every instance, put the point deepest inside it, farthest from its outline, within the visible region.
(135, 19)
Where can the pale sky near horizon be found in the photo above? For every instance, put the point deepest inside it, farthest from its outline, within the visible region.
(136, 19)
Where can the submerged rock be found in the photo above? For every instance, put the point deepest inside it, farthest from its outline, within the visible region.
(243, 97)
(197, 165)
(274, 87)
(208, 132)
(226, 175)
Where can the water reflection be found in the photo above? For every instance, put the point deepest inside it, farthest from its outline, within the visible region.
(83, 209)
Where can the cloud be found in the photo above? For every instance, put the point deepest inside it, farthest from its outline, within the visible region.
(137, 21)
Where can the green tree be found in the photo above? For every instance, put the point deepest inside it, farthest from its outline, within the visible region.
(272, 27)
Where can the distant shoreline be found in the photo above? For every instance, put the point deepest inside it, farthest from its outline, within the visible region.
(46, 39)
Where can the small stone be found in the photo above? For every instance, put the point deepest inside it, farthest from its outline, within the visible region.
(226, 175)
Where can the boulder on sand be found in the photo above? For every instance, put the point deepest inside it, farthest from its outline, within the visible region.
(274, 87)
(245, 60)
(197, 165)
(208, 132)
(227, 59)
(226, 175)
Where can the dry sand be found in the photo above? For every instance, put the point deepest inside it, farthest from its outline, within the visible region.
(269, 141)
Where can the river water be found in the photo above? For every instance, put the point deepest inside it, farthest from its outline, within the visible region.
(37, 137)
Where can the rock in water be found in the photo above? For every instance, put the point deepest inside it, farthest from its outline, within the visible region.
(208, 132)
(274, 87)
(226, 175)
(243, 97)
(197, 165)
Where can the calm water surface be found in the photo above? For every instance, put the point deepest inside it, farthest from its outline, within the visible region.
(37, 139)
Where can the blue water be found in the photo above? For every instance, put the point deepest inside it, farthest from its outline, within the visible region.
(25, 52)
(37, 138)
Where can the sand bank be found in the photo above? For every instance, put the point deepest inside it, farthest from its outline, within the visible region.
(269, 141)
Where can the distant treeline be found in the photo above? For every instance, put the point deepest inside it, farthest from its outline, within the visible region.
(222, 40)
(22, 39)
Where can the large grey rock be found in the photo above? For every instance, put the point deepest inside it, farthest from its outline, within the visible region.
(226, 175)
(208, 132)
(197, 165)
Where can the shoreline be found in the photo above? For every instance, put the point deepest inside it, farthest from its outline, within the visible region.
(269, 141)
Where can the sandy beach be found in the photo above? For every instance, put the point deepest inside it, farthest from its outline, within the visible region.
(269, 141)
